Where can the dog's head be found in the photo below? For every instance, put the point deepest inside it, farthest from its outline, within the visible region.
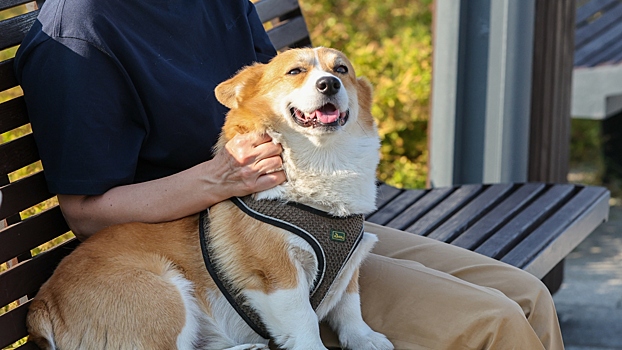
(309, 91)
(311, 102)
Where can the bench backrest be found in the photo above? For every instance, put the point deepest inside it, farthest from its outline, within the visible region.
(30, 220)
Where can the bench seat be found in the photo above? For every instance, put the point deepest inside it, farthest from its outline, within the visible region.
(532, 226)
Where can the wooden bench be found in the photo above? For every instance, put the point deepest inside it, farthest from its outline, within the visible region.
(531, 226)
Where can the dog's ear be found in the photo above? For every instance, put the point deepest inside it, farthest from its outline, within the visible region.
(364, 93)
(231, 91)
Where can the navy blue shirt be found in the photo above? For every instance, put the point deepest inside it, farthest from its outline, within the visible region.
(122, 91)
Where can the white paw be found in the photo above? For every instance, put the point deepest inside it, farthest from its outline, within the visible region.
(368, 340)
(249, 347)
(273, 193)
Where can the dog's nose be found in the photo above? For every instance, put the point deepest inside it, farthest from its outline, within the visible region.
(328, 85)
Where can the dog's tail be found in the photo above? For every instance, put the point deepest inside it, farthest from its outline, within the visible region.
(39, 324)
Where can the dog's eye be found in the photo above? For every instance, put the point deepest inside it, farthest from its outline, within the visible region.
(341, 69)
(295, 71)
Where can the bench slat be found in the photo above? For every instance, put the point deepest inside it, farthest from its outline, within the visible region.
(474, 210)
(13, 325)
(434, 218)
(292, 33)
(562, 245)
(610, 53)
(28, 346)
(385, 194)
(38, 270)
(24, 193)
(17, 154)
(15, 28)
(420, 208)
(548, 231)
(5, 4)
(589, 9)
(31, 232)
(7, 75)
(616, 52)
(13, 114)
(271, 9)
(525, 222)
(398, 204)
(585, 34)
(498, 216)
(611, 35)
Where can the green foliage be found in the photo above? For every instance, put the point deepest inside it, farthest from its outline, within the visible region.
(390, 43)
(585, 141)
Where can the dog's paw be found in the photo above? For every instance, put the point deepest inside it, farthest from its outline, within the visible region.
(368, 340)
(249, 347)
(273, 193)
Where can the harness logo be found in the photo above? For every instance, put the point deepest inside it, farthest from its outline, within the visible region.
(337, 236)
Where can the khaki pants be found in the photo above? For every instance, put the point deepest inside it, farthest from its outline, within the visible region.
(424, 294)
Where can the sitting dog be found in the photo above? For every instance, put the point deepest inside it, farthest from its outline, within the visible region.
(146, 286)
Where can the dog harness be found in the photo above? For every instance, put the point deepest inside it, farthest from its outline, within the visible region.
(333, 240)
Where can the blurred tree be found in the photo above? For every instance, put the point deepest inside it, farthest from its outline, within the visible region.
(390, 43)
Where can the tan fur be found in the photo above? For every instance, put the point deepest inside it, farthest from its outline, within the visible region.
(121, 268)
(113, 290)
(364, 91)
(353, 286)
(243, 254)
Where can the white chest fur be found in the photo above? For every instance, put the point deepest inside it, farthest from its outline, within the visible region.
(335, 173)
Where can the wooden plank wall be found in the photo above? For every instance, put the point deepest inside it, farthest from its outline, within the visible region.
(552, 89)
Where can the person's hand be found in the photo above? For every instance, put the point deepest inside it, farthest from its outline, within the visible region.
(248, 163)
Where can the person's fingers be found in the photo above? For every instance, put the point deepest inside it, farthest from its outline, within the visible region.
(240, 148)
(254, 163)
(267, 150)
(249, 148)
(268, 165)
(268, 181)
(257, 140)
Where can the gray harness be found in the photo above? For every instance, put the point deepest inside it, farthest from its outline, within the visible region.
(332, 238)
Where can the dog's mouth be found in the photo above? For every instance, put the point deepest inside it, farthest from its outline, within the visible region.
(327, 115)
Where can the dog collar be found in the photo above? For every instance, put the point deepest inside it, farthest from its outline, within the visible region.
(333, 240)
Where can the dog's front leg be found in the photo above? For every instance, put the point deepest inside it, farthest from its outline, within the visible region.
(289, 317)
(346, 319)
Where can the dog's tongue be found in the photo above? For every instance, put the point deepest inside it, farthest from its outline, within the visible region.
(327, 114)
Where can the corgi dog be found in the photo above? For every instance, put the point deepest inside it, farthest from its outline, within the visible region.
(146, 286)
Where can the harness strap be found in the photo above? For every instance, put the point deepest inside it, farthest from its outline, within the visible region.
(333, 240)
(234, 297)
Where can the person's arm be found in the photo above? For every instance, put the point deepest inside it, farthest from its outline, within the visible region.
(248, 164)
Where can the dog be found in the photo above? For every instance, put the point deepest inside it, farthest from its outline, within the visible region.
(146, 286)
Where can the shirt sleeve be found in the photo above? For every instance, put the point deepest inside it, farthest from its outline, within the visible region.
(263, 46)
(86, 120)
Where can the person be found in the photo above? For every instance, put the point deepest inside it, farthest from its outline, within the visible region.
(120, 95)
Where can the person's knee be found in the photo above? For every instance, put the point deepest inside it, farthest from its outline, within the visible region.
(499, 322)
(533, 295)
(532, 282)
(502, 309)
